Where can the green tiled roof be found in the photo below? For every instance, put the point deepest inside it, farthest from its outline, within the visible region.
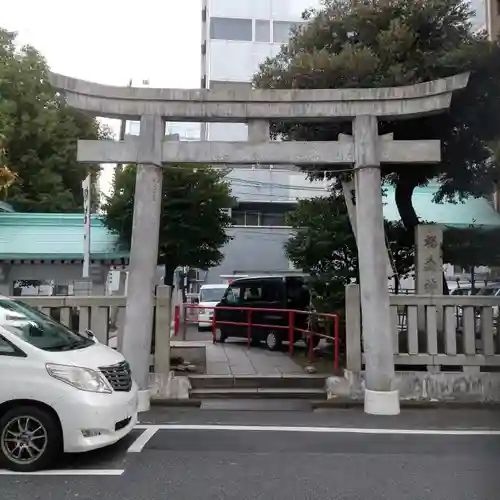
(54, 236)
(60, 236)
(477, 211)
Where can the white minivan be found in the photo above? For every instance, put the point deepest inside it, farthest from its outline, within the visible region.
(59, 391)
(210, 296)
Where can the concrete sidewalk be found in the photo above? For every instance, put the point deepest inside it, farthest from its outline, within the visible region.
(234, 358)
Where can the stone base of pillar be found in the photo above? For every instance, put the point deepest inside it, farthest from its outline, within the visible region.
(382, 402)
(144, 401)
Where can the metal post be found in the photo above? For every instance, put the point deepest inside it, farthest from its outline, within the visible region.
(144, 255)
(380, 396)
(291, 331)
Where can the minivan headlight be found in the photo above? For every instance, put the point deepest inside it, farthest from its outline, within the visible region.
(84, 379)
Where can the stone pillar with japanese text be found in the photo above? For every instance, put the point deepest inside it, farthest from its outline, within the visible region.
(429, 267)
(429, 259)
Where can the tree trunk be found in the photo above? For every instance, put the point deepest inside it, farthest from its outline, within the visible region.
(403, 196)
(396, 285)
(472, 279)
(349, 192)
(168, 277)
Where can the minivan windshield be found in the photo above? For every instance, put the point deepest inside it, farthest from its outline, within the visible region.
(211, 294)
(38, 329)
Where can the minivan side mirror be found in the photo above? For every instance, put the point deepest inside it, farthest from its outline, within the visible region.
(90, 335)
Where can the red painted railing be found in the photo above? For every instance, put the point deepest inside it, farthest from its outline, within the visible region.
(290, 327)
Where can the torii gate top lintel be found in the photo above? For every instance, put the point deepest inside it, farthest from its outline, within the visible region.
(241, 104)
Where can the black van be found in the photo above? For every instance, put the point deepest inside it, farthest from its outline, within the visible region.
(267, 292)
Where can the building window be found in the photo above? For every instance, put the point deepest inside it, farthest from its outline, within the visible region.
(282, 30)
(272, 219)
(238, 218)
(224, 28)
(242, 218)
(252, 219)
(262, 31)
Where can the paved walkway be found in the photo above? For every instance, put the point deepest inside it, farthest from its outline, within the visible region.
(234, 358)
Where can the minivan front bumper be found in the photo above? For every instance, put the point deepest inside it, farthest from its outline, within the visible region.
(92, 420)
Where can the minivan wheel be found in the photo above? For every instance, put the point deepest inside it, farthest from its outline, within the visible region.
(273, 341)
(30, 439)
(222, 336)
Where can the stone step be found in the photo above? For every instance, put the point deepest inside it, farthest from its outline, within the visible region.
(262, 393)
(257, 381)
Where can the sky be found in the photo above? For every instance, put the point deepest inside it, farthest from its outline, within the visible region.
(112, 41)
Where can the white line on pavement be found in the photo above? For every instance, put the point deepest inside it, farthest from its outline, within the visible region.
(142, 440)
(326, 430)
(68, 472)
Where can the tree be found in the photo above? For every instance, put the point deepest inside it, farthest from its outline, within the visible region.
(324, 246)
(193, 221)
(39, 133)
(472, 247)
(385, 43)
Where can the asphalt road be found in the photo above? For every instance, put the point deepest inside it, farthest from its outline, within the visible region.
(370, 459)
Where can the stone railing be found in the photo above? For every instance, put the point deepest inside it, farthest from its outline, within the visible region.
(452, 333)
(103, 315)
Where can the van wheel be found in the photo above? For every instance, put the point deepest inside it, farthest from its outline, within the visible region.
(273, 341)
(30, 439)
(222, 336)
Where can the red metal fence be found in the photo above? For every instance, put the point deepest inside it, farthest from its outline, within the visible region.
(249, 324)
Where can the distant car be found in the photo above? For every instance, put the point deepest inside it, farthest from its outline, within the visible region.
(492, 290)
(210, 296)
(465, 290)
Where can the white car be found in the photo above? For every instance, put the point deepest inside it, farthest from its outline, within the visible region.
(210, 296)
(59, 391)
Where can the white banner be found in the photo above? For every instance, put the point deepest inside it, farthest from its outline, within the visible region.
(86, 187)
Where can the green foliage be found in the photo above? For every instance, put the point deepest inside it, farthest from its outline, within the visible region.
(193, 225)
(39, 133)
(401, 42)
(324, 246)
(472, 247)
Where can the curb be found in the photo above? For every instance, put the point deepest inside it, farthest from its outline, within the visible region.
(420, 405)
(176, 403)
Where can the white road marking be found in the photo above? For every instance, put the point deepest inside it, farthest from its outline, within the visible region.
(68, 472)
(142, 440)
(326, 430)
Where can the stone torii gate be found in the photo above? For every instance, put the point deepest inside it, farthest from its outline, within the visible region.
(365, 151)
